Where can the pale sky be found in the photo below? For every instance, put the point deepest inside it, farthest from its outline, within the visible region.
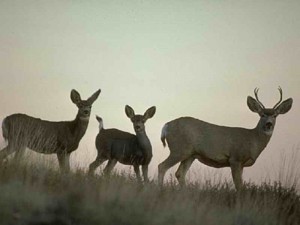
(188, 58)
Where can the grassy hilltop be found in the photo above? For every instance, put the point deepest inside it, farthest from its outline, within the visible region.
(36, 194)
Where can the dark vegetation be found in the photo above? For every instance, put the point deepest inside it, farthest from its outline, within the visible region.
(36, 194)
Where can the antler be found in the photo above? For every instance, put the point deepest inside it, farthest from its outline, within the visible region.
(255, 93)
(277, 104)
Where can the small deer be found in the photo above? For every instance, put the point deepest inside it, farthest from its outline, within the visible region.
(219, 146)
(118, 146)
(47, 137)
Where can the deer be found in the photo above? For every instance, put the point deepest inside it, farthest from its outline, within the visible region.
(119, 146)
(48, 137)
(219, 146)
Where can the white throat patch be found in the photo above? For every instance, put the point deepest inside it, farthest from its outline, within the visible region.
(269, 133)
(86, 118)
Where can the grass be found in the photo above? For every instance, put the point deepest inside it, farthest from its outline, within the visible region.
(39, 194)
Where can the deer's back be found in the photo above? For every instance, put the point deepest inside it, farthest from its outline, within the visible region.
(120, 145)
(193, 136)
(34, 133)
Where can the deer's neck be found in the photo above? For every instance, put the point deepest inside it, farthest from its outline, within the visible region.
(79, 126)
(145, 144)
(261, 139)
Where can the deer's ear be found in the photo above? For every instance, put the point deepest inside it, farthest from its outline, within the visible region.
(129, 111)
(150, 112)
(253, 105)
(284, 107)
(75, 96)
(93, 97)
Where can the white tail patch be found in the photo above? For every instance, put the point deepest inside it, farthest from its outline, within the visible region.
(100, 125)
(4, 130)
(164, 134)
(100, 121)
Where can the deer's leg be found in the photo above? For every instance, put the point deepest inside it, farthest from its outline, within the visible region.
(110, 165)
(165, 165)
(145, 173)
(182, 170)
(237, 172)
(64, 161)
(19, 154)
(137, 172)
(93, 166)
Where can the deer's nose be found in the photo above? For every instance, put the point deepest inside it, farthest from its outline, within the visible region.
(137, 127)
(269, 125)
(86, 111)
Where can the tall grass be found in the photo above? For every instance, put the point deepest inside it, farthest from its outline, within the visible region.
(289, 173)
(32, 193)
(36, 192)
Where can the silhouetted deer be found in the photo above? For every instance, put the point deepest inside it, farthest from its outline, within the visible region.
(118, 146)
(218, 146)
(47, 137)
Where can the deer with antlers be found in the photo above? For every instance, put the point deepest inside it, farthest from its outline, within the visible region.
(219, 146)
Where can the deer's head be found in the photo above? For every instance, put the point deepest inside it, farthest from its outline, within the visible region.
(139, 120)
(84, 106)
(268, 115)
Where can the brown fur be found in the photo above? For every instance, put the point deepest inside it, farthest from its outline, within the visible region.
(61, 138)
(219, 146)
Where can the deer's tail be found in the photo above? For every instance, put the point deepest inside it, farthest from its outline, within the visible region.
(164, 134)
(100, 120)
(5, 129)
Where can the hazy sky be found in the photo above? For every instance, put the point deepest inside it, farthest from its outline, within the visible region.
(195, 58)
